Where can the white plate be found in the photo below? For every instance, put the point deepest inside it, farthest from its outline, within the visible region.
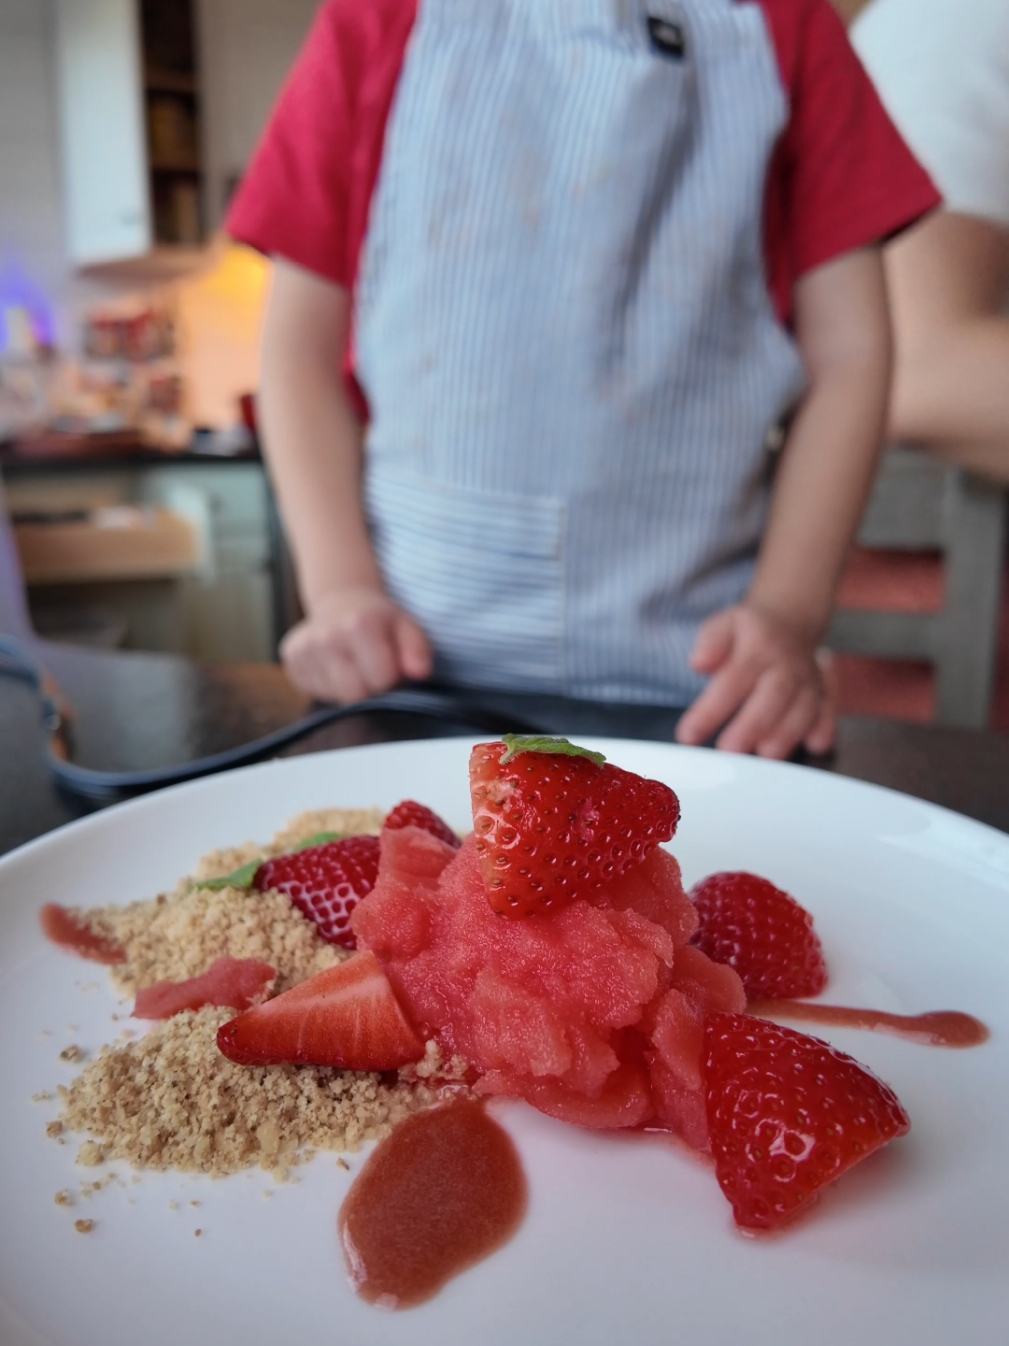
(626, 1240)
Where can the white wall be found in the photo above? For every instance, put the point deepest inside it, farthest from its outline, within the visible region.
(246, 50)
(31, 217)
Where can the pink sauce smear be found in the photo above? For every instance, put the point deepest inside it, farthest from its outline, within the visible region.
(64, 929)
(937, 1028)
(441, 1193)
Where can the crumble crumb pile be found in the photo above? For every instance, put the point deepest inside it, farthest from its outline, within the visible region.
(348, 822)
(172, 1100)
(173, 938)
(178, 935)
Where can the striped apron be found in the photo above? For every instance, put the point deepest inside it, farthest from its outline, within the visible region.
(566, 337)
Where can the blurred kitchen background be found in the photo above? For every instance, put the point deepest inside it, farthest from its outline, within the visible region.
(128, 365)
(129, 326)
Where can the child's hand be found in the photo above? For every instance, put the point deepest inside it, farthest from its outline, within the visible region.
(356, 643)
(767, 688)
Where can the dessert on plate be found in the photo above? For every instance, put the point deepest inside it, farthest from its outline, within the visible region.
(362, 969)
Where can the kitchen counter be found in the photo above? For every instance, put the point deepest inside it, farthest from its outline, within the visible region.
(141, 710)
(16, 462)
(239, 599)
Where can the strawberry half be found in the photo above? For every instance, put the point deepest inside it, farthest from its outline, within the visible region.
(412, 814)
(325, 882)
(347, 1016)
(787, 1114)
(761, 932)
(554, 822)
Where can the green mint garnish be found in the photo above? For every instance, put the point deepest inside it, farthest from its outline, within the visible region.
(320, 839)
(516, 743)
(241, 878)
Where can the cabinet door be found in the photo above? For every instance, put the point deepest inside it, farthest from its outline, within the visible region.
(108, 211)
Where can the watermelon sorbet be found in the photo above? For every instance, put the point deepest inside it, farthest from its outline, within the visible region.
(593, 1013)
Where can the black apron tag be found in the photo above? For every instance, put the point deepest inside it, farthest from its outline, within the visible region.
(668, 38)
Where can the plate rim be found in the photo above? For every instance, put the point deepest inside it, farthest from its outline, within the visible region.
(140, 803)
(119, 815)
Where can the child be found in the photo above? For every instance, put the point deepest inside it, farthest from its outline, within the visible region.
(584, 257)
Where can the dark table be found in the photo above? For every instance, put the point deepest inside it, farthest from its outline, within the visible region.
(19, 460)
(144, 710)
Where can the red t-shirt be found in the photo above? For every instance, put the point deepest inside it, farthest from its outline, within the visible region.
(841, 176)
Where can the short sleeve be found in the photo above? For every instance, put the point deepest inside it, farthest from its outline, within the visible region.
(306, 193)
(942, 70)
(843, 177)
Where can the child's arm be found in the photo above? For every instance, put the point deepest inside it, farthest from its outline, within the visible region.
(767, 693)
(354, 641)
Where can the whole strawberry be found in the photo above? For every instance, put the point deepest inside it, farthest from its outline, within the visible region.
(787, 1114)
(325, 882)
(554, 822)
(412, 814)
(761, 932)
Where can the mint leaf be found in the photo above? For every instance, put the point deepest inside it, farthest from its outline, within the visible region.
(320, 839)
(515, 743)
(240, 878)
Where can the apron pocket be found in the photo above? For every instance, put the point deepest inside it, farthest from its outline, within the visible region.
(483, 573)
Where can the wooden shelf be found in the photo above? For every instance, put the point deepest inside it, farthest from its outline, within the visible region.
(164, 262)
(142, 544)
(191, 167)
(170, 81)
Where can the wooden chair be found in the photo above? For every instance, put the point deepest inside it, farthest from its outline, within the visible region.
(919, 504)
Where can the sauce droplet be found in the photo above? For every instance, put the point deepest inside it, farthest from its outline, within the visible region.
(441, 1193)
(937, 1028)
(64, 929)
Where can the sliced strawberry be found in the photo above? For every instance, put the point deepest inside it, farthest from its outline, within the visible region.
(238, 983)
(787, 1114)
(763, 933)
(346, 1016)
(412, 814)
(554, 823)
(325, 882)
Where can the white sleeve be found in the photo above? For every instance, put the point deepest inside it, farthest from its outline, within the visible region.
(942, 70)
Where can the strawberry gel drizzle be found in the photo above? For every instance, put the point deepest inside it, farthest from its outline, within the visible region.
(63, 928)
(441, 1193)
(937, 1028)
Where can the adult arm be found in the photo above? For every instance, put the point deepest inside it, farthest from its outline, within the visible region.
(767, 692)
(354, 641)
(949, 284)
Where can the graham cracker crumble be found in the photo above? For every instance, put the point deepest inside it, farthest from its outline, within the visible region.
(170, 1099)
(348, 822)
(91, 1154)
(84, 1226)
(71, 1053)
(178, 935)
